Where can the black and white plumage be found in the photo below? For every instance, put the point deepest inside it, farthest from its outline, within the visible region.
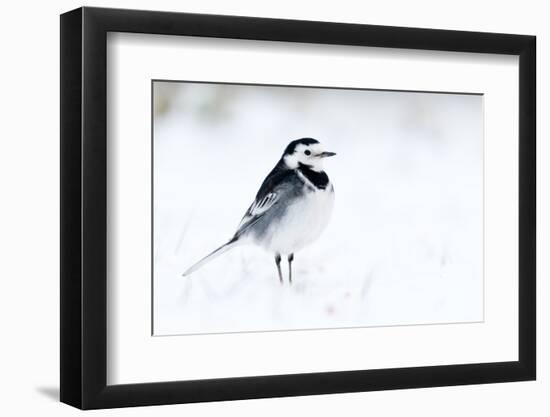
(291, 209)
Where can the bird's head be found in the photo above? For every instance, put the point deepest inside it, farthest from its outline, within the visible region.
(305, 151)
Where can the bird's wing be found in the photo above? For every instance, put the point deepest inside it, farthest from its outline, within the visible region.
(257, 209)
(269, 195)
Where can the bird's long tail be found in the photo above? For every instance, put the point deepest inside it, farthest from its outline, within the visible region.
(222, 249)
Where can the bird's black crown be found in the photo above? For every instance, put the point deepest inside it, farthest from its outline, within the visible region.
(304, 141)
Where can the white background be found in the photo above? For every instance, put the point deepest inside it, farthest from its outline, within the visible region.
(439, 244)
(29, 175)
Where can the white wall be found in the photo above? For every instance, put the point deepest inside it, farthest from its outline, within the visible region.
(29, 221)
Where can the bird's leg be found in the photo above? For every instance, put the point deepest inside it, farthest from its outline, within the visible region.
(290, 259)
(278, 263)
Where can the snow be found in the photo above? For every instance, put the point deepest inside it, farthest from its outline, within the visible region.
(405, 242)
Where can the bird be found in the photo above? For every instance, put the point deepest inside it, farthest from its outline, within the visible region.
(291, 209)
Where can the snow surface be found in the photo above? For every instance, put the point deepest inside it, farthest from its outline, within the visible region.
(405, 242)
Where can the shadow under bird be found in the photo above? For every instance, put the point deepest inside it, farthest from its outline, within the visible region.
(291, 209)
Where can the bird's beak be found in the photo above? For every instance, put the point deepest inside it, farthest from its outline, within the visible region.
(326, 154)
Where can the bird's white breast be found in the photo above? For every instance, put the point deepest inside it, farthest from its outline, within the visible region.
(304, 221)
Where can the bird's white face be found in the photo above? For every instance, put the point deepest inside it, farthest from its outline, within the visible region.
(311, 155)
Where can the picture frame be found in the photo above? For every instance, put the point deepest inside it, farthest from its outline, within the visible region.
(84, 223)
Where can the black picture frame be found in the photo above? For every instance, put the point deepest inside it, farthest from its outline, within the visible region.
(84, 207)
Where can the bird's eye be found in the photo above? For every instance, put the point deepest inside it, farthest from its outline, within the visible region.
(307, 152)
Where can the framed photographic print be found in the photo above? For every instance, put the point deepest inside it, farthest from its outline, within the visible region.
(259, 207)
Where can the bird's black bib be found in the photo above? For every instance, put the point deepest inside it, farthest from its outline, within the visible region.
(318, 179)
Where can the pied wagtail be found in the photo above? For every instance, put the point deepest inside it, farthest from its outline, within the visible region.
(291, 209)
